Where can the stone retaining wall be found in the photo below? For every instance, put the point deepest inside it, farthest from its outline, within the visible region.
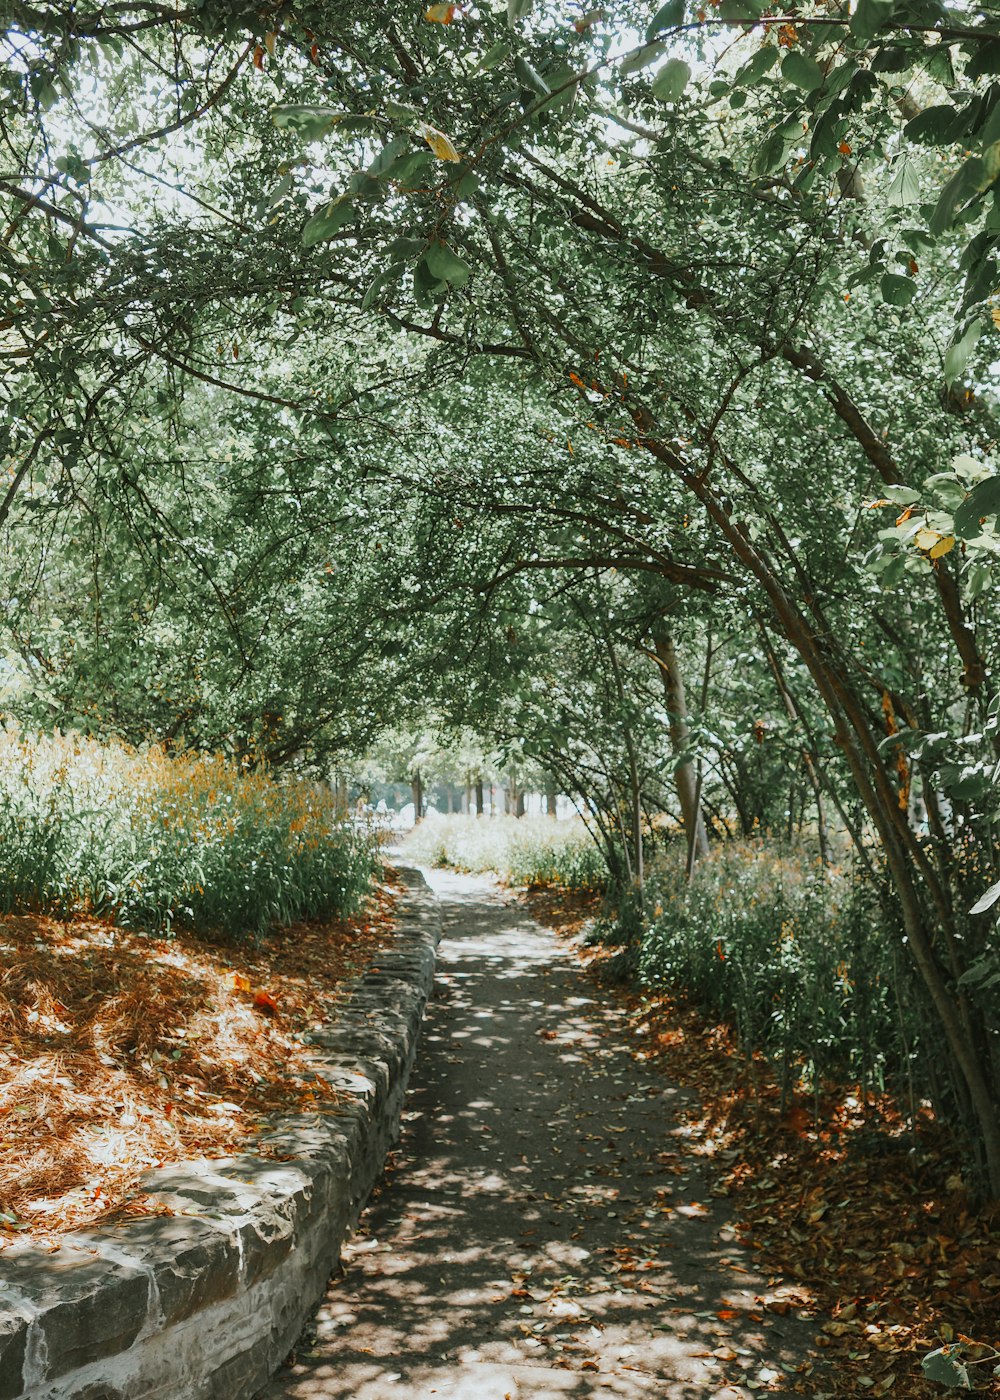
(205, 1303)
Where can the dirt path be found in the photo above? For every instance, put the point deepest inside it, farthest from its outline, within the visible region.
(546, 1233)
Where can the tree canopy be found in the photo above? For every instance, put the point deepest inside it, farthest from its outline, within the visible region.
(354, 358)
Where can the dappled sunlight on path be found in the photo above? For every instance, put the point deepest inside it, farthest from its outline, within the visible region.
(545, 1232)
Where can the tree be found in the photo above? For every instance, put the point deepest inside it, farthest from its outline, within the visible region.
(704, 287)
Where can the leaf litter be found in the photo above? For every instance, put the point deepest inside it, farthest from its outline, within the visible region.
(861, 1222)
(121, 1051)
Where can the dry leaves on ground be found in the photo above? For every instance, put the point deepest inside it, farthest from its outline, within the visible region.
(120, 1051)
(863, 1224)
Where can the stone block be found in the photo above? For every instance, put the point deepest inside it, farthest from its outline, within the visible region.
(13, 1341)
(97, 1390)
(194, 1263)
(89, 1307)
(241, 1375)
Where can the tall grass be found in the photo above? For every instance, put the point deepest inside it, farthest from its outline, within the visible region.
(153, 841)
(795, 956)
(522, 850)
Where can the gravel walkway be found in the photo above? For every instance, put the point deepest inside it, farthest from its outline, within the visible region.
(548, 1230)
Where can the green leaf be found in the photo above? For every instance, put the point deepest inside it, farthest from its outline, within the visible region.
(762, 62)
(563, 81)
(517, 9)
(464, 182)
(957, 355)
(306, 121)
(930, 127)
(869, 17)
(446, 266)
(896, 290)
(979, 578)
(984, 902)
(986, 59)
(409, 169)
(495, 55)
(668, 16)
(991, 165)
(803, 71)
(963, 184)
(427, 289)
(529, 77)
(671, 80)
(905, 187)
(406, 248)
(901, 495)
(827, 134)
(742, 11)
(982, 502)
(892, 575)
(327, 221)
(382, 282)
(642, 58)
(944, 1367)
(770, 155)
(388, 155)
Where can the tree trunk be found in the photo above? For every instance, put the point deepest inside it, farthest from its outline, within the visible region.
(550, 797)
(924, 901)
(418, 796)
(808, 758)
(685, 775)
(479, 797)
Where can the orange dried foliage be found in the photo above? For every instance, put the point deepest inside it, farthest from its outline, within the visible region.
(865, 1218)
(120, 1051)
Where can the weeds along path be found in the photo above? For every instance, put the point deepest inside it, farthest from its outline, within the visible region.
(546, 1230)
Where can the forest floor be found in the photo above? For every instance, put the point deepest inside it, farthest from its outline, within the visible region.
(660, 1189)
(120, 1051)
(869, 1228)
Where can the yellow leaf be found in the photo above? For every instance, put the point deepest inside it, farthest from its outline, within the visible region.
(926, 539)
(995, 315)
(440, 14)
(439, 143)
(269, 41)
(942, 547)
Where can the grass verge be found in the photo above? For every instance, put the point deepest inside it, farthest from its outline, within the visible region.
(156, 842)
(521, 850)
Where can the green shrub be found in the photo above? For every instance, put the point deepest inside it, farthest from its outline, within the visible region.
(153, 841)
(522, 850)
(793, 955)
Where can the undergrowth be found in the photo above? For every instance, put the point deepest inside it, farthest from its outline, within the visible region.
(154, 841)
(521, 850)
(795, 956)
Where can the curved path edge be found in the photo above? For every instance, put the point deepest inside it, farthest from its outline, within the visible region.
(204, 1303)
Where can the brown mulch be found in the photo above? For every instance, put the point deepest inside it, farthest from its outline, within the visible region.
(120, 1051)
(866, 1221)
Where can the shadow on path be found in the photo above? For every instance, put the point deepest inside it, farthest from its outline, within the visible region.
(544, 1232)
